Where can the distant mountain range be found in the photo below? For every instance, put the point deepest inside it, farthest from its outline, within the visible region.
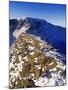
(56, 35)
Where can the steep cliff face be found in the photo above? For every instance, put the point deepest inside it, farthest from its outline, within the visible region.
(34, 63)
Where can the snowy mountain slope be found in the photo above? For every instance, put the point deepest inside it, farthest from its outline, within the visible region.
(55, 35)
(34, 63)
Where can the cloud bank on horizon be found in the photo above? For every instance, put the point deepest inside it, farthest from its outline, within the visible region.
(53, 13)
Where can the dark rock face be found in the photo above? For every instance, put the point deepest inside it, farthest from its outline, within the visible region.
(47, 74)
(12, 26)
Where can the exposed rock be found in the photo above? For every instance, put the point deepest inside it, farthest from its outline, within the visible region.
(28, 64)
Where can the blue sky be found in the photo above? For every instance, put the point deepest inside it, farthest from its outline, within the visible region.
(53, 13)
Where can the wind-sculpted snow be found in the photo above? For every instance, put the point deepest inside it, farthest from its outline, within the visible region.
(35, 63)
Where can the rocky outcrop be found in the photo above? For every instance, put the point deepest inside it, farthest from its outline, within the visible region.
(34, 63)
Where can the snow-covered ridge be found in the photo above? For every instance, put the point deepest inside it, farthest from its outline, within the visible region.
(32, 59)
(21, 28)
(24, 25)
(43, 29)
